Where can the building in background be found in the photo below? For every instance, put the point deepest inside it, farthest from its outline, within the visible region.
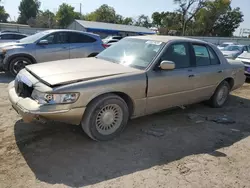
(106, 29)
(26, 29)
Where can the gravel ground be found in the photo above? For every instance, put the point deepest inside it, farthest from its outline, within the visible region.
(176, 148)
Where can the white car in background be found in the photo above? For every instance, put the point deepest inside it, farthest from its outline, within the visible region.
(245, 58)
(233, 51)
(225, 44)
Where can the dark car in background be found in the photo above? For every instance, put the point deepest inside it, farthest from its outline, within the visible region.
(9, 37)
(49, 45)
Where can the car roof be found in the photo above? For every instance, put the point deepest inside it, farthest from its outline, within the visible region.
(166, 39)
(69, 30)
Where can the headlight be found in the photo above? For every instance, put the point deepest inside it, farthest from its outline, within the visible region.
(3, 51)
(51, 98)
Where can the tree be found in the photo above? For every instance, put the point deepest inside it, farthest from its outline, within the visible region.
(28, 9)
(166, 21)
(209, 15)
(65, 15)
(128, 21)
(217, 18)
(143, 21)
(3, 15)
(188, 9)
(44, 19)
(157, 19)
(104, 13)
(228, 22)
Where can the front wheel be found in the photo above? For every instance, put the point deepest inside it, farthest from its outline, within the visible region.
(18, 64)
(105, 117)
(220, 96)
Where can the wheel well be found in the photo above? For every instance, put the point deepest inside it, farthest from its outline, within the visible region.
(32, 59)
(230, 81)
(93, 55)
(128, 101)
(124, 96)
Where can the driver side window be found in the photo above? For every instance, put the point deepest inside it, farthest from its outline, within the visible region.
(50, 38)
(179, 54)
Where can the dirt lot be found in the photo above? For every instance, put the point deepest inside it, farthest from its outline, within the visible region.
(177, 148)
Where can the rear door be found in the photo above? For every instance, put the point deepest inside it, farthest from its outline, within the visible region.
(82, 45)
(208, 72)
(56, 49)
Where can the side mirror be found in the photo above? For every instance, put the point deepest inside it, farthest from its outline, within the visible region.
(167, 65)
(43, 42)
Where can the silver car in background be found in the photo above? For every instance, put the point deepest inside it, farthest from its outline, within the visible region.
(10, 37)
(233, 51)
(245, 59)
(48, 45)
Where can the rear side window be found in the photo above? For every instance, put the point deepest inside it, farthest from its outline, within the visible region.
(7, 37)
(205, 56)
(201, 55)
(214, 60)
(81, 38)
(19, 36)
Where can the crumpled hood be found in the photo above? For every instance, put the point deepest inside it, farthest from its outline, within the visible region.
(72, 70)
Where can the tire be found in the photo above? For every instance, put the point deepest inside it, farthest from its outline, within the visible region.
(220, 95)
(14, 68)
(105, 117)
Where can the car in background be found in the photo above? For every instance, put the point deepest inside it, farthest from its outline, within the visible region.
(110, 43)
(245, 59)
(137, 76)
(110, 39)
(10, 37)
(8, 31)
(49, 45)
(233, 51)
(225, 44)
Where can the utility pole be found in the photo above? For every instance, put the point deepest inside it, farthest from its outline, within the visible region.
(80, 8)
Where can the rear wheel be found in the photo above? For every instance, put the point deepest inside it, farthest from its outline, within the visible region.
(220, 96)
(105, 117)
(18, 64)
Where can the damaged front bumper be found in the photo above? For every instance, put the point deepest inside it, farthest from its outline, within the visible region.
(30, 110)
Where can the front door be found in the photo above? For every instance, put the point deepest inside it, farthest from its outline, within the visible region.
(169, 88)
(56, 49)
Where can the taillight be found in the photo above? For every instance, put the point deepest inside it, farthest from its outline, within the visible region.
(105, 45)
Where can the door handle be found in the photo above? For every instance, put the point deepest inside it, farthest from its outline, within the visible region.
(220, 71)
(191, 76)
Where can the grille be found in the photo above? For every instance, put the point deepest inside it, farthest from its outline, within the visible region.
(22, 89)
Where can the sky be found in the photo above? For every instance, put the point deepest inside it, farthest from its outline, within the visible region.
(128, 8)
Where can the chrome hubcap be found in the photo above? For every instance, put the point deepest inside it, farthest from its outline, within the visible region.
(109, 119)
(19, 65)
(222, 95)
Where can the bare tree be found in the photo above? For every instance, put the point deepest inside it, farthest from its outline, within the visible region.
(188, 9)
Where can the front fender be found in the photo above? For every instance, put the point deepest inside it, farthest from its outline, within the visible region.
(8, 57)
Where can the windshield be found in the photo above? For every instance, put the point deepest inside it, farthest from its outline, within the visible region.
(232, 48)
(34, 38)
(132, 52)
